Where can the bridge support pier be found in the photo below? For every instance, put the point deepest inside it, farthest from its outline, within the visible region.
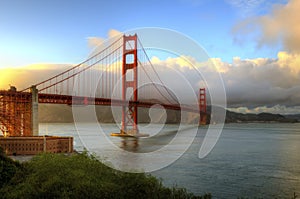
(35, 111)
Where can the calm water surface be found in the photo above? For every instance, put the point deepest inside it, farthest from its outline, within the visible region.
(249, 160)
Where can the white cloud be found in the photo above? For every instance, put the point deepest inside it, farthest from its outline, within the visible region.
(248, 83)
(247, 7)
(281, 26)
(114, 33)
(94, 41)
(277, 109)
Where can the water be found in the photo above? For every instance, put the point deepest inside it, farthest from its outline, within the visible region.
(249, 160)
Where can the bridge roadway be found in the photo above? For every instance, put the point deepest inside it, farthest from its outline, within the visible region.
(81, 100)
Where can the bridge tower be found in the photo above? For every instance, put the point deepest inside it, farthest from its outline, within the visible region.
(202, 106)
(130, 63)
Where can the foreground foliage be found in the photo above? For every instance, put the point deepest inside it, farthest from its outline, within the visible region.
(8, 168)
(80, 176)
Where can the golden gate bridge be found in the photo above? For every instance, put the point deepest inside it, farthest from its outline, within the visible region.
(110, 76)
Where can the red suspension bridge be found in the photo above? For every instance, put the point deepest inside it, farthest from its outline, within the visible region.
(111, 76)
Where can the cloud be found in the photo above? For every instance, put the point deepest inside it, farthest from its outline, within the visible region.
(114, 33)
(280, 26)
(263, 81)
(247, 7)
(277, 109)
(25, 76)
(94, 42)
(289, 62)
(250, 83)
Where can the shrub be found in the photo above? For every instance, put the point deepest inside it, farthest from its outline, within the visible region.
(8, 168)
(82, 176)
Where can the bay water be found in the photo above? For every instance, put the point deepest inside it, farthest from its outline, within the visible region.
(255, 160)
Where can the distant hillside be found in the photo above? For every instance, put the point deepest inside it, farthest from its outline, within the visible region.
(233, 117)
(55, 113)
(63, 114)
(295, 117)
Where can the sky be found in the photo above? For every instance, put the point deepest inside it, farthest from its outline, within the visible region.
(255, 44)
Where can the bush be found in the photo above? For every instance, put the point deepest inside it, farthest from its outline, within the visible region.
(8, 168)
(82, 176)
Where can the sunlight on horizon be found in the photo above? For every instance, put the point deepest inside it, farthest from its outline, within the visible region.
(26, 75)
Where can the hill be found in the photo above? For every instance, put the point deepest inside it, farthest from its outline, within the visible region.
(49, 113)
(63, 114)
(295, 117)
(233, 117)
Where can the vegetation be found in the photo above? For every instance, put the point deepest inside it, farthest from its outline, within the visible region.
(8, 168)
(78, 176)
